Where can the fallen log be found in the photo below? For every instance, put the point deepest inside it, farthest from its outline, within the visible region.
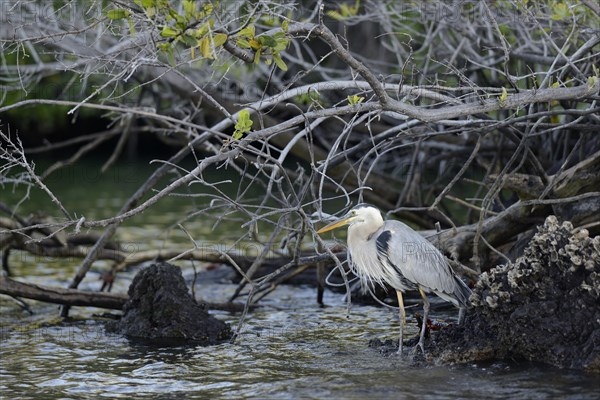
(71, 297)
(74, 297)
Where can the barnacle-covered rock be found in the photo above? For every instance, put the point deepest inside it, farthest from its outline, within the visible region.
(543, 307)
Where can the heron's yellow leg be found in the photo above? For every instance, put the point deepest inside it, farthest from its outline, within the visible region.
(402, 320)
(425, 315)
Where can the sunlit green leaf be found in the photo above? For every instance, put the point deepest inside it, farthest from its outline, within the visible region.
(255, 44)
(243, 43)
(207, 10)
(189, 6)
(560, 11)
(257, 56)
(118, 13)
(131, 27)
(248, 31)
(203, 30)
(243, 125)
(164, 46)
(279, 62)
(503, 97)
(167, 31)
(205, 47)
(219, 39)
(150, 11)
(335, 15)
(281, 45)
(145, 3)
(355, 99)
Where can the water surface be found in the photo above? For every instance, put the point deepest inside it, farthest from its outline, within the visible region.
(289, 348)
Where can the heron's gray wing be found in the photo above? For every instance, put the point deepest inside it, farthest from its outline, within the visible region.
(418, 260)
(384, 240)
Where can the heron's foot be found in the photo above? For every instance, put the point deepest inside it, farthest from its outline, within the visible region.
(400, 349)
(419, 346)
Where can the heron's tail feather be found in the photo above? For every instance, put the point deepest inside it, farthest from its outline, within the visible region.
(462, 292)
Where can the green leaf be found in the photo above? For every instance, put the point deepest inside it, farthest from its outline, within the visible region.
(189, 40)
(203, 30)
(285, 26)
(118, 13)
(205, 47)
(279, 62)
(145, 3)
(335, 15)
(243, 125)
(171, 56)
(257, 56)
(207, 10)
(243, 43)
(345, 11)
(248, 31)
(150, 11)
(255, 44)
(167, 31)
(267, 40)
(355, 99)
(164, 46)
(219, 39)
(503, 97)
(131, 27)
(189, 6)
(281, 44)
(561, 11)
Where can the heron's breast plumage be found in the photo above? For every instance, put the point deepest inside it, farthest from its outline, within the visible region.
(371, 265)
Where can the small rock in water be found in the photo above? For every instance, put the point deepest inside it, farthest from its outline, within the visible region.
(161, 310)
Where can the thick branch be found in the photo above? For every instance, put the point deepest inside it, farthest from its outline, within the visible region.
(70, 297)
(74, 297)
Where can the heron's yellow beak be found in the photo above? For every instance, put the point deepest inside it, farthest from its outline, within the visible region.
(336, 224)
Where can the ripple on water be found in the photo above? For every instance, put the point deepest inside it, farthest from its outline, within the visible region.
(296, 350)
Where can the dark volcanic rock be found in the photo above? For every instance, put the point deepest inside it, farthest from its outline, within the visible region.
(161, 310)
(545, 307)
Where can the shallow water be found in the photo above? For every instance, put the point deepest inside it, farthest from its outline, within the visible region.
(288, 348)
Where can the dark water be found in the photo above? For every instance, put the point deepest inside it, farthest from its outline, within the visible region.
(289, 348)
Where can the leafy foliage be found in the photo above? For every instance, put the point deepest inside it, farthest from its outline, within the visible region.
(195, 28)
(355, 99)
(243, 125)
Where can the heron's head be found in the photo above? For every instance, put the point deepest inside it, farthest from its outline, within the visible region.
(360, 214)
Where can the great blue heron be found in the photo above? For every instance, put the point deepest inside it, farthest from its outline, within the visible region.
(391, 252)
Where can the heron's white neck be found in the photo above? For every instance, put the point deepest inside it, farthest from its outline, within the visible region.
(363, 229)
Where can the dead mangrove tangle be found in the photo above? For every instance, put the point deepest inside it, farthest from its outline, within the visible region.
(471, 121)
